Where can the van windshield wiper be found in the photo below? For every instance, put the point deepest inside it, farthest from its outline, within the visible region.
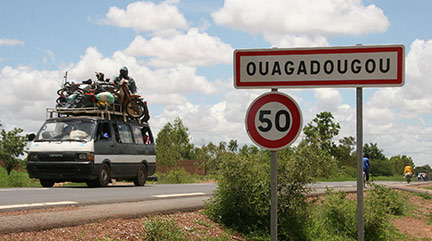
(70, 139)
(61, 140)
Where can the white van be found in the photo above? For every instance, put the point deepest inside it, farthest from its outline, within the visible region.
(91, 149)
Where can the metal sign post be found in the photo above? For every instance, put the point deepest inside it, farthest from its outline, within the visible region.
(273, 198)
(360, 210)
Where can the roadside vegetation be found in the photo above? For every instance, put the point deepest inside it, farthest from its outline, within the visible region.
(242, 200)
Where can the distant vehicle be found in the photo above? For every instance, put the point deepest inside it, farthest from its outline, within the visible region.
(92, 149)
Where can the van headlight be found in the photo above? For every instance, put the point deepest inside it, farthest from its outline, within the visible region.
(33, 157)
(86, 156)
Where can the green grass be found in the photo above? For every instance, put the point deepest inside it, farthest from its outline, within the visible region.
(384, 178)
(343, 178)
(423, 195)
(336, 179)
(177, 176)
(157, 228)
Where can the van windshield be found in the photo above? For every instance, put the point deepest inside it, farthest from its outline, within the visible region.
(66, 130)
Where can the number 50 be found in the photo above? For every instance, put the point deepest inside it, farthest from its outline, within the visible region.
(269, 124)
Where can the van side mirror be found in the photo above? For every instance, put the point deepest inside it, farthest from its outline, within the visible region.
(31, 137)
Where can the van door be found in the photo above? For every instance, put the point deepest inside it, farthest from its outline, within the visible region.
(126, 153)
(104, 142)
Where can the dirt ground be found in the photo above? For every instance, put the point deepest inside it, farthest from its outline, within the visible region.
(417, 225)
(194, 225)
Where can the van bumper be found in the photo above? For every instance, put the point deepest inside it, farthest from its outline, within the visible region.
(63, 171)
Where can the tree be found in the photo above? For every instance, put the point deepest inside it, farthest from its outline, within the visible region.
(233, 146)
(314, 161)
(248, 150)
(173, 143)
(11, 147)
(372, 151)
(426, 168)
(222, 146)
(380, 167)
(344, 153)
(321, 130)
(399, 163)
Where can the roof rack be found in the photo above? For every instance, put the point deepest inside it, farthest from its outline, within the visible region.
(87, 111)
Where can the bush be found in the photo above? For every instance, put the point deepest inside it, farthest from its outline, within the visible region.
(242, 199)
(16, 179)
(350, 171)
(158, 229)
(377, 221)
(391, 201)
(336, 218)
(293, 208)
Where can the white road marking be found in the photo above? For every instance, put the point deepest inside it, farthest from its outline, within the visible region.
(179, 195)
(23, 189)
(46, 204)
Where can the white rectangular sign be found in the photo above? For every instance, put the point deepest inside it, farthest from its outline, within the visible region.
(356, 66)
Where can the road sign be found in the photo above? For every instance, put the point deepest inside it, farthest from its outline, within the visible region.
(273, 121)
(355, 66)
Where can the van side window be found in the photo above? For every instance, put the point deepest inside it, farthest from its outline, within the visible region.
(137, 134)
(123, 133)
(103, 131)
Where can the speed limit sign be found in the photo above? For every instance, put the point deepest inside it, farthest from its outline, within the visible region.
(273, 121)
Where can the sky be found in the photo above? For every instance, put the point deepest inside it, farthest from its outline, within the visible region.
(180, 53)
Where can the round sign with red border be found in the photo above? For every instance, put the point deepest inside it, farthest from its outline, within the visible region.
(273, 120)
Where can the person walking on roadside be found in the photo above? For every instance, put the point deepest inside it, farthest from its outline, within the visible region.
(366, 167)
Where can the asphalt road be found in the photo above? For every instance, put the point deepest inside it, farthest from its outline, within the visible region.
(25, 198)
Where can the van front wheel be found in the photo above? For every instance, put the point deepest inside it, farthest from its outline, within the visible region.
(141, 177)
(104, 176)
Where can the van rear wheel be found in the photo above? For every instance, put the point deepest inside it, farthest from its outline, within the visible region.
(141, 177)
(46, 182)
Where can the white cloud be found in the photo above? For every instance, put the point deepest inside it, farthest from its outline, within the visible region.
(413, 99)
(419, 70)
(327, 99)
(301, 23)
(179, 79)
(294, 40)
(10, 42)
(193, 48)
(221, 121)
(26, 94)
(147, 16)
